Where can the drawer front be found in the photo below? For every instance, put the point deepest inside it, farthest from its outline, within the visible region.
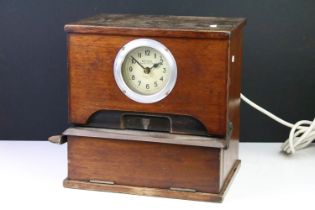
(144, 164)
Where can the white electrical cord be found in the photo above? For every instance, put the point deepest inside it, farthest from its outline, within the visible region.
(302, 132)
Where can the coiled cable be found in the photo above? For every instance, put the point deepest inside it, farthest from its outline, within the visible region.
(302, 132)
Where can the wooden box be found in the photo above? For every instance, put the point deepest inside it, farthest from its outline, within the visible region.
(191, 149)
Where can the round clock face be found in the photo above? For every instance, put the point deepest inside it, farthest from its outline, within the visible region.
(145, 70)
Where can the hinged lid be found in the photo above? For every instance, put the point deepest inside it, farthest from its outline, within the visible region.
(153, 25)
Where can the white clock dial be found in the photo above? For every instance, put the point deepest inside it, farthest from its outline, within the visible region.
(145, 70)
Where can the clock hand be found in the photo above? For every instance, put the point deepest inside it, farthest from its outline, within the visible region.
(138, 63)
(146, 69)
(156, 65)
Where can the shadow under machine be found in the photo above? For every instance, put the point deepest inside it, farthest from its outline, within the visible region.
(154, 105)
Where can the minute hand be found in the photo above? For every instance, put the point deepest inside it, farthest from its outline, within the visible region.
(138, 63)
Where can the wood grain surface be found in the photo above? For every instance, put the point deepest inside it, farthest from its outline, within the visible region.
(234, 84)
(200, 91)
(198, 196)
(157, 25)
(209, 61)
(144, 136)
(144, 164)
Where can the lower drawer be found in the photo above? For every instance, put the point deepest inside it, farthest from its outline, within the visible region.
(144, 164)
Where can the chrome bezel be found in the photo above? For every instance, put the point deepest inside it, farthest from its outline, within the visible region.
(120, 57)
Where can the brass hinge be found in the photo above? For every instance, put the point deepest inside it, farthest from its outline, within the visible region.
(102, 182)
(182, 189)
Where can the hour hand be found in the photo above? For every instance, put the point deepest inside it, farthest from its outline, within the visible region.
(156, 65)
(138, 63)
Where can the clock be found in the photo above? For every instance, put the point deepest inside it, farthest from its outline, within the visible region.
(145, 70)
(154, 105)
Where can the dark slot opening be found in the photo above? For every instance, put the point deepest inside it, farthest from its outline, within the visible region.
(145, 122)
(180, 124)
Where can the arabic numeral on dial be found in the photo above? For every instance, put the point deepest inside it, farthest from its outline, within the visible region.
(133, 77)
(147, 86)
(130, 68)
(154, 55)
(161, 59)
(161, 78)
(133, 61)
(164, 70)
(155, 84)
(147, 52)
(139, 54)
(139, 82)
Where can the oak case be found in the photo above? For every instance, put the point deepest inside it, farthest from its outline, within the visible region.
(208, 53)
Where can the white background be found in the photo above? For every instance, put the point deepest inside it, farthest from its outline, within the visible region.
(31, 175)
